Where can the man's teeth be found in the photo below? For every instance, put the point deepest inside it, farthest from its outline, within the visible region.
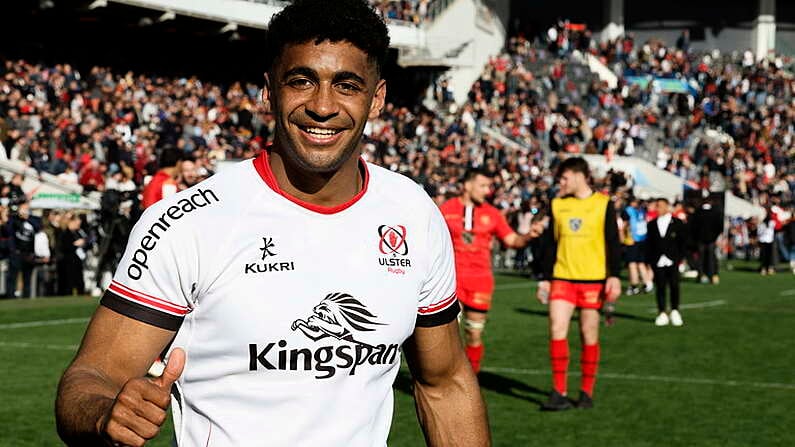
(320, 131)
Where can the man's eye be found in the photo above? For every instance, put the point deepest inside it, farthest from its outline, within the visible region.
(348, 87)
(300, 83)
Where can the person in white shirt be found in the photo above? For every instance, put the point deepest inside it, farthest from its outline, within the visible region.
(766, 233)
(284, 288)
(665, 248)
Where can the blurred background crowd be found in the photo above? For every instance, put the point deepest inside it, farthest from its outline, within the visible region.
(721, 122)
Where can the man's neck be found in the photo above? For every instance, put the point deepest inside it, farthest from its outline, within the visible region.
(318, 188)
(583, 193)
(467, 201)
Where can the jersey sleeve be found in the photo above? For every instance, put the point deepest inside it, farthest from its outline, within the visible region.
(502, 229)
(549, 249)
(438, 304)
(156, 275)
(612, 243)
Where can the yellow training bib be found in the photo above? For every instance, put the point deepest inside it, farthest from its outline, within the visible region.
(580, 235)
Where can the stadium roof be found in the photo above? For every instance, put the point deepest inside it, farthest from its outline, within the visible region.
(253, 14)
(246, 13)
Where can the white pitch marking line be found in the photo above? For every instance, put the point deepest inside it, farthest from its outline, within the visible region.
(12, 344)
(43, 323)
(530, 372)
(638, 377)
(695, 305)
(789, 292)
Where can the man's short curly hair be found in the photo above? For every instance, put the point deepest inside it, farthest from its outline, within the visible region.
(304, 21)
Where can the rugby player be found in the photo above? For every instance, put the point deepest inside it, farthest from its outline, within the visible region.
(285, 287)
(473, 223)
(581, 266)
(635, 247)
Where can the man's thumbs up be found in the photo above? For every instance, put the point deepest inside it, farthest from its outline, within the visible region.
(174, 367)
(139, 409)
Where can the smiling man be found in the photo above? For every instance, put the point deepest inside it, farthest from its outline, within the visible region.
(284, 302)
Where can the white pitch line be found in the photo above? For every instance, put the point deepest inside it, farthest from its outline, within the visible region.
(527, 372)
(789, 292)
(696, 305)
(703, 304)
(12, 344)
(43, 323)
(638, 377)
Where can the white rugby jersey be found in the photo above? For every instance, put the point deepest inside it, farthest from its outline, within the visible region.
(291, 315)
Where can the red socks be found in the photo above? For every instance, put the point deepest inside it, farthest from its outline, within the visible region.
(589, 362)
(559, 355)
(474, 354)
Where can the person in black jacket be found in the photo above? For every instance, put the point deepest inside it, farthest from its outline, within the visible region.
(71, 246)
(707, 226)
(21, 230)
(665, 248)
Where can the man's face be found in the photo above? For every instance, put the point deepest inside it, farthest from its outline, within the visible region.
(663, 207)
(478, 188)
(322, 96)
(188, 169)
(24, 211)
(571, 182)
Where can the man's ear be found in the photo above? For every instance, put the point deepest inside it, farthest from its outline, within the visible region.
(266, 94)
(379, 99)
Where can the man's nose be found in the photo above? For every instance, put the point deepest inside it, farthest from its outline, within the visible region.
(323, 104)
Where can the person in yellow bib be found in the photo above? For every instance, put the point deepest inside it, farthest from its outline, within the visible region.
(581, 264)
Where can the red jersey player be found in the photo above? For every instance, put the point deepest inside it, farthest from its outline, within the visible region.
(473, 223)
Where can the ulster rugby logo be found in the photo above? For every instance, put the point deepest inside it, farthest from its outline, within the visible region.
(575, 223)
(393, 240)
(392, 243)
(339, 315)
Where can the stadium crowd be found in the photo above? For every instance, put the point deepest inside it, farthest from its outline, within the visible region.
(533, 105)
(412, 11)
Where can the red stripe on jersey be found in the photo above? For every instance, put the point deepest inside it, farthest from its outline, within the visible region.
(133, 291)
(263, 168)
(170, 308)
(438, 306)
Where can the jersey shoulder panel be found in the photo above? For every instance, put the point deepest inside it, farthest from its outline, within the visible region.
(231, 187)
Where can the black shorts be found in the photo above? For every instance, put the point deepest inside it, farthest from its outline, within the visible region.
(635, 252)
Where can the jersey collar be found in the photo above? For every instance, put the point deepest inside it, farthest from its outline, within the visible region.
(263, 168)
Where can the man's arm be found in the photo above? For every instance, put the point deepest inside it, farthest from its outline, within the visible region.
(549, 253)
(516, 240)
(624, 233)
(549, 248)
(511, 238)
(651, 243)
(103, 396)
(447, 396)
(613, 255)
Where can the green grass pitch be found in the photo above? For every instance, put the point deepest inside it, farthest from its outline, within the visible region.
(727, 378)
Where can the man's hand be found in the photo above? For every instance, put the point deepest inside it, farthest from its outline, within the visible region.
(612, 289)
(537, 228)
(140, 407)
(543, 292)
